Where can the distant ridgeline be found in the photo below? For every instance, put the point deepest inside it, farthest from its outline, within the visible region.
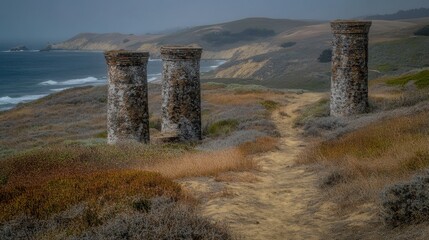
(403, 14)
(226, 37)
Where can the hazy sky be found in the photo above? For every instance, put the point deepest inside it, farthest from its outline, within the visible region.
(53, 20)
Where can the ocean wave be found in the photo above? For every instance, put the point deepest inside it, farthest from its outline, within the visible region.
(9, 100)
(59, 89)
(50, 82)
(153, 77)
(79, 81)
(217, 63)
(20, 51)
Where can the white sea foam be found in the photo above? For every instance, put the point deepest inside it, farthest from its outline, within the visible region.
(50, 82)
(20, 51)
(9, 100)
(59, 89)
(154, 74)
(217, 64)
(154, 60)
(153, 77)
(79, 81)
(220, 62)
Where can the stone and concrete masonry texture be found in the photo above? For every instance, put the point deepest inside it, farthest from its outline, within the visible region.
(181, 94)
(127, 111)
(349, 83)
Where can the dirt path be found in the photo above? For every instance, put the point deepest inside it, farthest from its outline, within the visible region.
(281, 202)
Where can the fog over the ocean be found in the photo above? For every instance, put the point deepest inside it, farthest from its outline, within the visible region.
(56, 20)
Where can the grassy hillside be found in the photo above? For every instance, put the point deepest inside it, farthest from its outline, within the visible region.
(403, 14)
(103, 42)
(59, 178)
(191, 36)
(277, 53)
(368, 164)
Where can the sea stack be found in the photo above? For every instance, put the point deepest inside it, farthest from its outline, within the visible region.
(349, 83)
(127, 111)
(181, 94)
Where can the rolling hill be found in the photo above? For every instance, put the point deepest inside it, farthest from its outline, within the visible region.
(403, 14)
(275, 52)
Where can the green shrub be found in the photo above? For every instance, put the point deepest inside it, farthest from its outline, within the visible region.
(421, 79)
(102, 134)
(316, 110)
(270, 105)
(325, 56)
(287, 44)
(386, 68)
(222, 127)
(422, 31)
(246, 88)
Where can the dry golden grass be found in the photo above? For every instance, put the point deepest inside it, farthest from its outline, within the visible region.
(204, 164)
(263, 144)
(367, 160)
(59, 193)
(45, 181)
(231, 98)
(216, 162)
(212, 86)
(247, 177)
(54, 156)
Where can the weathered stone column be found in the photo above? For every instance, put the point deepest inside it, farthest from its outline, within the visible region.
(349, 83)
(181, 94)
(127, 111)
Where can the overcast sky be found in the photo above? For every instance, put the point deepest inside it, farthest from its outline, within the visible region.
(54, 20)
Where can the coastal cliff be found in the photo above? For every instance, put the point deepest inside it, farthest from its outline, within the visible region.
(280, 52)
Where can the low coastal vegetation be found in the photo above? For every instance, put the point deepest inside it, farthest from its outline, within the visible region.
(227, 37)
(222, 127)
(288, 44)
(421, 79)
(59, 178)
(376, 163)
(325, 56)
(422, 31)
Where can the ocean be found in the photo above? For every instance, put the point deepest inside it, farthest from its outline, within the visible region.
(30, 75)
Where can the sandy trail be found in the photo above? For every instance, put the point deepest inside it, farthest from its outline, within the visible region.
(282, 202)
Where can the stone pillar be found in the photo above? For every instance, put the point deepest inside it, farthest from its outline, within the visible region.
(349, 83)
(127, 111)
(181, 94)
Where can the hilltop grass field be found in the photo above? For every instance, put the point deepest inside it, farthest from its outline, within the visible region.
(55, 162)
(362, 159)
